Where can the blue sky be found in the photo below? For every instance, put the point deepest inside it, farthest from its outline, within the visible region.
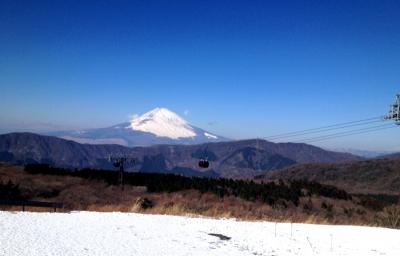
(241, 68)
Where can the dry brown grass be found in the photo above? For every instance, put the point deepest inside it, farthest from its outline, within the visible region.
(90, 195)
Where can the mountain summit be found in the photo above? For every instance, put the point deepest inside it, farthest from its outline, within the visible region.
(158, 126)
(163, 123)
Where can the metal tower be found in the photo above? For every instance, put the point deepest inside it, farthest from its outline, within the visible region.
(394, 113)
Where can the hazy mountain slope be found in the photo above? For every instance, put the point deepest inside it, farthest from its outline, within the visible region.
(29, 147)
(394, 155)
(242, 158)
(228, 159)
(363, 153)
(369, 176)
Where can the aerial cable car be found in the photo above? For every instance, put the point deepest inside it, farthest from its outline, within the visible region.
(203, 162)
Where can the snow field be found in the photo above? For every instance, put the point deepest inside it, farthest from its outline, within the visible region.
(94, 233)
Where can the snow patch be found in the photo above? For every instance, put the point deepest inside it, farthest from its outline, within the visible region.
(110, 141)
(210, 136)
(162, 123)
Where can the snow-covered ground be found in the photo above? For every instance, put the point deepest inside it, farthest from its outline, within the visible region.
(92, 233)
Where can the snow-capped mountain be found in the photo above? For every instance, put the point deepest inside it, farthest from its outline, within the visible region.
(163, 123)
(158, 126)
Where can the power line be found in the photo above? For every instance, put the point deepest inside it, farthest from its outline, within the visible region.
(348, 133)
(324, 130)
(394, 114)
(345, 132)
(321, 128)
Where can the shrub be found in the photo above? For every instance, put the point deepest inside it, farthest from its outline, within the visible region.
(308, 207)
(144, 203)
(10, 191)
(329, 211)
(360, 211)
(348, 212)
(377, 202)
(389, 217)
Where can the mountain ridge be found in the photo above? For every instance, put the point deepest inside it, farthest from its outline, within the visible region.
(235, 159)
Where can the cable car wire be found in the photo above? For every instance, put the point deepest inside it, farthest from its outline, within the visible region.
(347, 133)
(325, 130)
(350, 134)
(314, 130)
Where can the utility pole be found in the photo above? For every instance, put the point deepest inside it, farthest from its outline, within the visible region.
(119, 162)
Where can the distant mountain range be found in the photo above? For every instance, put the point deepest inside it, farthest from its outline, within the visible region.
(364, 153)
(159, 126)
(393, 155)
(234, 159)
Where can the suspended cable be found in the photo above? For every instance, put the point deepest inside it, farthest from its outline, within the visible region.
(345, 132)
(348, 133)
(322, 127)
(324, 130)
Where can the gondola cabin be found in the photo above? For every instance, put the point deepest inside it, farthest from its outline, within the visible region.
(203, 163)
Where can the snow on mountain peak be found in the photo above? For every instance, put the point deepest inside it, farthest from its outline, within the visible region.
(162, 123)
(210, 136)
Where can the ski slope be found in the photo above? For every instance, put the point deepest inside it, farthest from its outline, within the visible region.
(93, 233)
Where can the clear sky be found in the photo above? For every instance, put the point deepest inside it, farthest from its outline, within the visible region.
(237, 68)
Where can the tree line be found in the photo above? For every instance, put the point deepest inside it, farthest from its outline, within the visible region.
(273, 193)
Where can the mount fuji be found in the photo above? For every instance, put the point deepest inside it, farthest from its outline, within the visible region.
(158, 126)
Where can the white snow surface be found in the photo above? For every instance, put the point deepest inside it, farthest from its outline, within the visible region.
(163, 123)
(94, 233)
